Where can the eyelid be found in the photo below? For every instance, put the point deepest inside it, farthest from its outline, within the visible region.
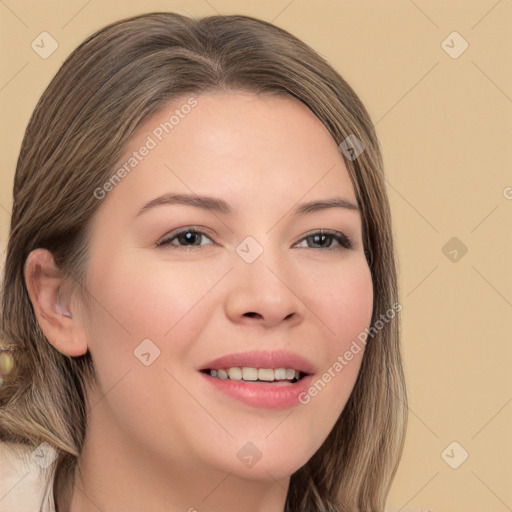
(344, 241)
(166, 239)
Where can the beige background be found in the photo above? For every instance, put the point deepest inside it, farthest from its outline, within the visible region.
(445, 125)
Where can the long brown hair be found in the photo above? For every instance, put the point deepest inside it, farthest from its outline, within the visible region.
(107, 87)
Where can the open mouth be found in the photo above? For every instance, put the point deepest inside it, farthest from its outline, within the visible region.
(257, 375)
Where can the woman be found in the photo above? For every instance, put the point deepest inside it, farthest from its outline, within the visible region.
(200, 294)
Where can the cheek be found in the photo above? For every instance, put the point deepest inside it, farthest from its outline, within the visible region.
(343, 300)
(149, 299)
(135, 301)
(164, 304)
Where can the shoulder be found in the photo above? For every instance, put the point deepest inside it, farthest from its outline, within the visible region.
(23, 483)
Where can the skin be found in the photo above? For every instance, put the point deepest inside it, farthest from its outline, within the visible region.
(158, 437)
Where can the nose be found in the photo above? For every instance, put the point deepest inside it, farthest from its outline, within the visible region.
(264, 293)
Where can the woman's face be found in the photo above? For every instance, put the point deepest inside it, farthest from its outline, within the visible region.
(254, 275)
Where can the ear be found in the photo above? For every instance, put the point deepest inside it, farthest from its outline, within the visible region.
(60, 322)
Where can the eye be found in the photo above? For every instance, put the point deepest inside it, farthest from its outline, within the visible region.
(324, 238)
(187, 238)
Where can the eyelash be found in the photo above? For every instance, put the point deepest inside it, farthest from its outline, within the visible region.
(341, 238)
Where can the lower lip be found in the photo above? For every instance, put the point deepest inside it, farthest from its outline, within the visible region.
(266, 396)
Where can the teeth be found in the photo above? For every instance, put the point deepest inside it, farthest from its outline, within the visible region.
(280, 374)
(249, 374)
(255, 374)
(235, 373)
(267, 374)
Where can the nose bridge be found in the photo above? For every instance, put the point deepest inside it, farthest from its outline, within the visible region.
(263, 262)
(264, 286)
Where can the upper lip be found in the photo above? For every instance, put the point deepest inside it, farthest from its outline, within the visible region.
(262, 359)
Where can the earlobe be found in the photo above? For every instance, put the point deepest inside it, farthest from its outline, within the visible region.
(46, 286)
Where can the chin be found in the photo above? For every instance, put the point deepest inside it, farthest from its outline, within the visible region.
(265, 468)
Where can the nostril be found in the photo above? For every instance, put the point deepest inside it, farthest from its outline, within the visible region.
(252, 314)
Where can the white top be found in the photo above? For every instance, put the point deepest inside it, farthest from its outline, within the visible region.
(25, 484)
(48, 504)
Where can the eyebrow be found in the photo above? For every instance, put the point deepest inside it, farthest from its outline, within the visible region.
(220, 206)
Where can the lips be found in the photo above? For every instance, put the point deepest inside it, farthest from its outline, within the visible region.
(262, 396)
(262, 359)
(279, 394)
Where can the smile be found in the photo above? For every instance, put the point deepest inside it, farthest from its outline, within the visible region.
(258, 375)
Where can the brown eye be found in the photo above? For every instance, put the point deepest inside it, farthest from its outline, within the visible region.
(186, 238)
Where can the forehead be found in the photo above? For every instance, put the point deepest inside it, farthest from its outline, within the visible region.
(232, 144)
